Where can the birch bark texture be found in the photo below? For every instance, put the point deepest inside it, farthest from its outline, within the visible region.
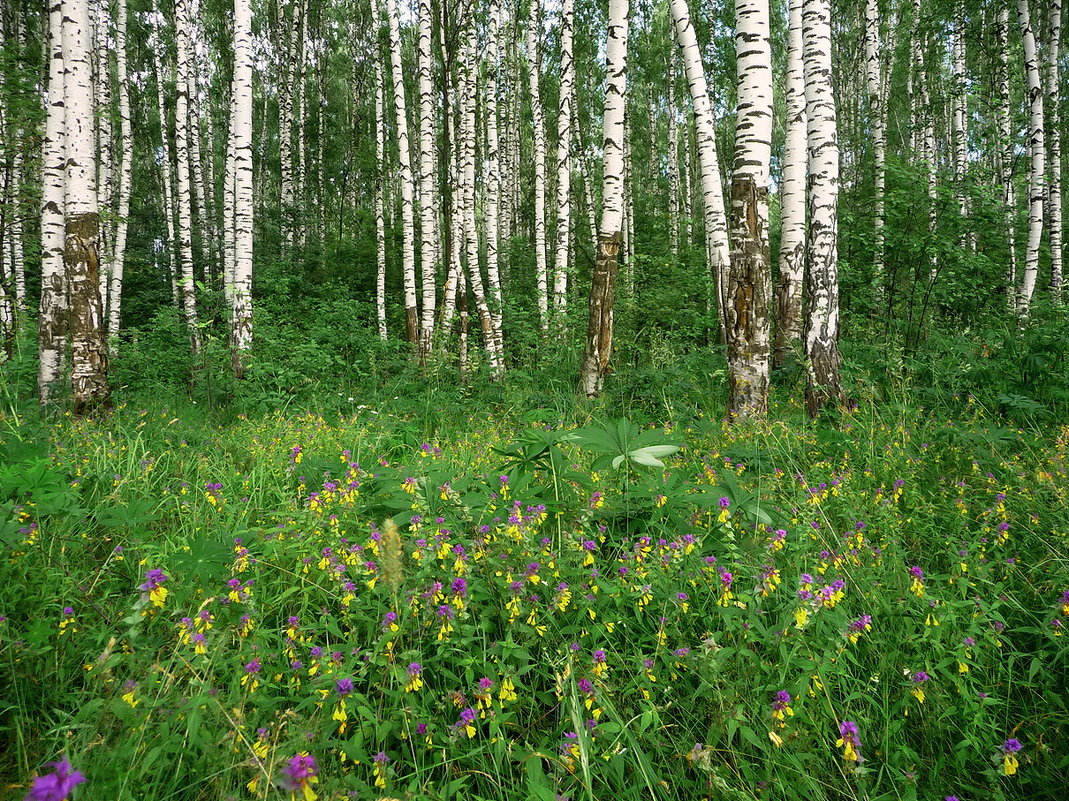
(538, 133)
(241, 293)
(52, 313)
(1037, 161)
(89, 355)
(1005, 152)
(878, 120)
(792, 198)
(118, 261)
(716, 229)
(428, 191)
(184, 198)
(598, 348)
(564, 161)
(408, 226)
(1054, 191)
(749, 277)
(822, 318)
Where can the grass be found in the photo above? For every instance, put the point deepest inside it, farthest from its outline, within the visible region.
(568, 619)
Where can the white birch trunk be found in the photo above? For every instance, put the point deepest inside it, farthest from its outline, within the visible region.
(673, 159)
(564, 162)
(822, 320)
(241, 295)
(52, 315)
(600, 324)
(750, 277)
(878, 121)
(408, 232)
(793, 197)
(534, 38)
(229, 201)
(380, 183)
(492, 181)
(1005, 152)
(1055, 150)
(961, 129)
(100, 19)
(165, 150)
(1037, 162)
(428, 189)
(716, 230)
(287, 36)
(184, 198)
(114, 304)
(89, 356)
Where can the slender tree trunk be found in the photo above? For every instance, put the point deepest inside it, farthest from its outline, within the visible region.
(52, 316)
(380, 184)
(1055, 150)
(673, 158)
(600, 325)
(629, 213)
(428, 194)
(750, 276)
(229, 189)
(716, 230)
(241, 298)
(287, 37)
(167, 168)
(792, 200)
(1005, 151)
(564, 162)
(877, 115)
(101, 24)
(125, 177)
(492, 181)
(89, 355)
(468, 85)
(822, 319)
(408, 255)
(1037, 162)
(534, 38)
(961, 130)
(181, 146)
(300, 119)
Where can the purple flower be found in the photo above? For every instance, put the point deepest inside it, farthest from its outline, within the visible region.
(460, 586)
(381, 758)
(725, 503)
(344, 686)
(920, 676)
(253, 666)
(298, 772)
(57, 785)
(599, 656)
(1011, 746)
(415, 668)
(153, 579)
(783, 698)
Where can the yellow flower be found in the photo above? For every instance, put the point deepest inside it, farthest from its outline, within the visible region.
(1009, 764)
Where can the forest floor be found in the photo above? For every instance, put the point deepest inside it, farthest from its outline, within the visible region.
(534, 606)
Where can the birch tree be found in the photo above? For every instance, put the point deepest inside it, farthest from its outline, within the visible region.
(716, 230)
(564, 161)
(184, 196)
(874, 84)
(241, 295)
(1005, 151)
(1036, 161)
(89, 356)
(534, 60)
(52, 314)
(822, 318)
(793, 196)
(600, 323)
(408, 235)
(750, 278)
(1054, 192)
(492, 182)
(380, 182)
(118, 260)
(428, 191)
(165, 160)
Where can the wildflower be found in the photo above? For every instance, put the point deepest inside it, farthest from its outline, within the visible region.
(781, 707)
(389, 622)
(1009, 758)
(298, 774)
(378, 769)
(252, 671)
(917, 586)
(725, 504)
(600, 667)
(859, 627)
(66, 625)
(415, 677)
(466, 722)
(850, 741)
(507, 691)
(918, 680)
(777, 540)
(726, 595)
(199, 643)
(153, 589)
(57, 785)
(130, 693)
